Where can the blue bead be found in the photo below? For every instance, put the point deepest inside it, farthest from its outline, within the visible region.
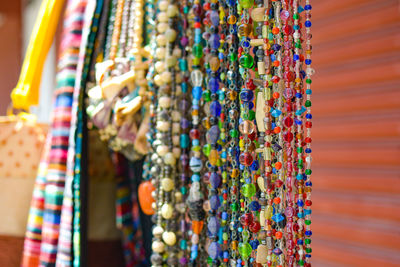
(221, 55)
(195, 178)
(248, 181)
(299, 177)
(308, 116)
(300, 203)
(273, 125)
(184, 87)
(273, 57)
(307, 211)
(309, 183)
(296, 27)
(231, 2)
(308, 91)
(246, 95)
(303, 74)
(308, 61)
(308, 255)
(276, 113)
(215, 109)
(184, 140)
(254, 243)
(308, 150)
(300, 242)
(307, 7)
(308, 233)
(276, 47)
(224, 216)
(278, 217)
(251, 105)
(195, 142)
(196, 92)
(255, 206)
(296, 57)
(254, 166)
(307, 23)
(299, 95)
(300, 215)
(298, 122)
(300, 9)
(214, 41)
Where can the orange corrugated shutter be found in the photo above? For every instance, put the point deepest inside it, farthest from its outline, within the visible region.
(356, 134)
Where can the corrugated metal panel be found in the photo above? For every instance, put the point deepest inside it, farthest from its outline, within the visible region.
(356, 134)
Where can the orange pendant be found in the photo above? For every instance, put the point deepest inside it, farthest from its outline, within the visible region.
(145, 198)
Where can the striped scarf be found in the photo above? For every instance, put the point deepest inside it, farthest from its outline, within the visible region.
(41, 240)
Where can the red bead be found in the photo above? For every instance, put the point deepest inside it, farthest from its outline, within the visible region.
(246, 159)
(255, 227)
(307, 140)
(288, 121)
(246, 219)
(194, 134)
(308, 124)
(288, 136)
(308, 202)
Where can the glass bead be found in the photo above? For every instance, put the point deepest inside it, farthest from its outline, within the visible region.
(197, 50)
(245, 250)
(213, 85)
(246, 61)
(246, 127)
(213, 157)
(248, 190)
(206, 95)
(196, 77)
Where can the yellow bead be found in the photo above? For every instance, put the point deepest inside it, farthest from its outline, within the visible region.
(213, 157)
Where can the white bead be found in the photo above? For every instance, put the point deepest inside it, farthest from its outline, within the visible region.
(196, 77)
(171, 61)
(172, 11)
(170, 34)
(164, 102)
(169, 238)
(163, 126)
(161, 40)
(166, 76)
(175, 140)
(159, 66)
(158, 231)
(166, 211)
(296, 35)
(162, 17)
(158, 246)
(195, 239)
(162, 27)
(160, 52)
(167, 184)
(163, 5)
(176, 127)
(170, 159)
(162, 150)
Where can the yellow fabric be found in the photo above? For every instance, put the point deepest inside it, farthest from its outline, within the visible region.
(26, 93)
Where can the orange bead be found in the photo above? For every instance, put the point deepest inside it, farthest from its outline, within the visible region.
(278, 165)
(275, 95)
(145, 199)
(275, 30)
(277, 129)
(277, 200)
(278, 235)
(197, 226)
(276, 63)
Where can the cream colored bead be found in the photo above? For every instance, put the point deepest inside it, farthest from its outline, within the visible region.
(160, 52)
(260, 183)
(158, 231)
(167, 211)
(163, 5)
(169, 238)
(176, 127)
(164, 102)
(154, 205)
(178, 78)
(177, 52)
(176, 115)
(159, 66)
(178, 196)
(162, 27)
(177, 152)
(157, 80)
(261, 67)
(172, 11)
(262, 217)
(171, 61)
(158, 246)
(166, 76)
(175, 140)
(167, 184)
(163, 126)
(170, 159)
(162, 17)
(161, 40)
(170, 34)
(162, 150)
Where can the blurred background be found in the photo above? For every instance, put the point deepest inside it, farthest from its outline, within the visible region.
(356, 133)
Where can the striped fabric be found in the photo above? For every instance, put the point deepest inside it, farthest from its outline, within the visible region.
(42, 235)
(69, 254)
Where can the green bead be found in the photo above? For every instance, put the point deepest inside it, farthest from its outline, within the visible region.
(209, 260)
(307, 103)
(186, 10)
(300, 161)
(220, 124)
(197, 50)
(196, 148)
(307, 222)
(183, 190)
(207, 149)
(224, 236)
(245, 250)
(299, 149)
(308, 172)
(301, 262)
(235, 206)
(252, 115)
(298, 45)
(307, 241)
(246, 61)
(246, 3)
(296, 16)
(308, 81)
(234, 133)
(206, 95)
(248, 190)
(233, 57)
(308, 250)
